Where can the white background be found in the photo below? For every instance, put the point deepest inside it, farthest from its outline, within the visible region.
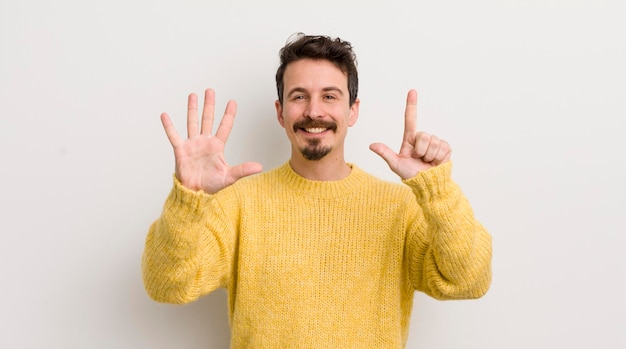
(531, 95)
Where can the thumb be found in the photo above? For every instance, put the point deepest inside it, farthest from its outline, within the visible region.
(244, 170)
(386, 153)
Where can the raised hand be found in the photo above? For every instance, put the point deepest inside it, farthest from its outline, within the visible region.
(200, 163)
(419, 150)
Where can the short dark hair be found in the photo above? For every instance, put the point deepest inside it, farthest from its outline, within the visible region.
(337, 51)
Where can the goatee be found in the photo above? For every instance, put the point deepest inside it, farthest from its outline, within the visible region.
(314, 151)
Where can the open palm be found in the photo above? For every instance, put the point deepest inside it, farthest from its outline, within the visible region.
(200, 163)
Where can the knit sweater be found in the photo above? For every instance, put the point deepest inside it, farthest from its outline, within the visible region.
(319, 264)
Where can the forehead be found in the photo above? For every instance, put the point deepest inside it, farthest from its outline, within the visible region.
(314, 74)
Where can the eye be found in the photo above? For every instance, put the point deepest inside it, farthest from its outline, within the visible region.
(298, 97)
(330, 97)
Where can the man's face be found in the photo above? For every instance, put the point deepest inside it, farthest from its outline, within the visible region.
(316, 111)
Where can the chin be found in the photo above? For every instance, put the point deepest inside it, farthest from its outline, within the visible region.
(315, 154)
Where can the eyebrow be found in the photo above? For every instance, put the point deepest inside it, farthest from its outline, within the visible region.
(325, 89)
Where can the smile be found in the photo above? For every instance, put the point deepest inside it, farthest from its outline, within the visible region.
(315, 130)
(314, 127)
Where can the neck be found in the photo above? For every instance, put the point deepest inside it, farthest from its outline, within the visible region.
(330, 168)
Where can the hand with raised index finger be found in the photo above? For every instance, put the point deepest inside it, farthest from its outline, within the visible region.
(419, 151)
(200, 163)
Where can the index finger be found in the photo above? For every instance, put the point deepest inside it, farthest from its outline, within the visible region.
(410, 114)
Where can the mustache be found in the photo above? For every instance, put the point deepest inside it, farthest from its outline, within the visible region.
(309, 123)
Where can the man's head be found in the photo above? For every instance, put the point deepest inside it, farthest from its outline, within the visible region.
(319, 47)
(317, 102)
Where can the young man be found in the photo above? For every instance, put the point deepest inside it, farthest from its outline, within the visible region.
(315, 253)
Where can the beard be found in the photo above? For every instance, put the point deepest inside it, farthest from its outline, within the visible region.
(314, 151)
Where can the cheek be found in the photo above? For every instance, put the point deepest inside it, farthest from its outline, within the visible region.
(289, 116)
(291, 109)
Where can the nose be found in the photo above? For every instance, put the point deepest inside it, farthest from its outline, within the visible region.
(314, 109)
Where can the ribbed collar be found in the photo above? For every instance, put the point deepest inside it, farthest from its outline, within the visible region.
(322, 189)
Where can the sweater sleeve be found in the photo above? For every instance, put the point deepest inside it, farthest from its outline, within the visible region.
(448, 251)
(189, 248)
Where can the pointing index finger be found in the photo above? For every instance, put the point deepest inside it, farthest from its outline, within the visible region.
(410, 114)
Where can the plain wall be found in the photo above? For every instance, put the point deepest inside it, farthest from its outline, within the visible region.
(530, 94)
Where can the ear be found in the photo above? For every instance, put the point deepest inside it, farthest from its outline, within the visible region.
(354, 113)
(279, 113)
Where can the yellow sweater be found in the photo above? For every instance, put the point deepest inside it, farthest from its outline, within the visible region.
(311, 264)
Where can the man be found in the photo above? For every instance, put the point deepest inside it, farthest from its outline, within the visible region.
(315, 253)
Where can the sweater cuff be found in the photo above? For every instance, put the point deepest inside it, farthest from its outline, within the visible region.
(187, 202)
(433, 183)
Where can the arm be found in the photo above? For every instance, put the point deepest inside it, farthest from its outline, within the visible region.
(189, 249)
(448, 250)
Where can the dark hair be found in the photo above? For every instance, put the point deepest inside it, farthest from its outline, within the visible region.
(337, 51)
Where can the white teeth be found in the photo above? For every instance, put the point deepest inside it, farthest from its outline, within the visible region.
(315, 130)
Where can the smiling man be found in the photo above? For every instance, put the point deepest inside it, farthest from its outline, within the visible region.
(316, 111)
(315, 253)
